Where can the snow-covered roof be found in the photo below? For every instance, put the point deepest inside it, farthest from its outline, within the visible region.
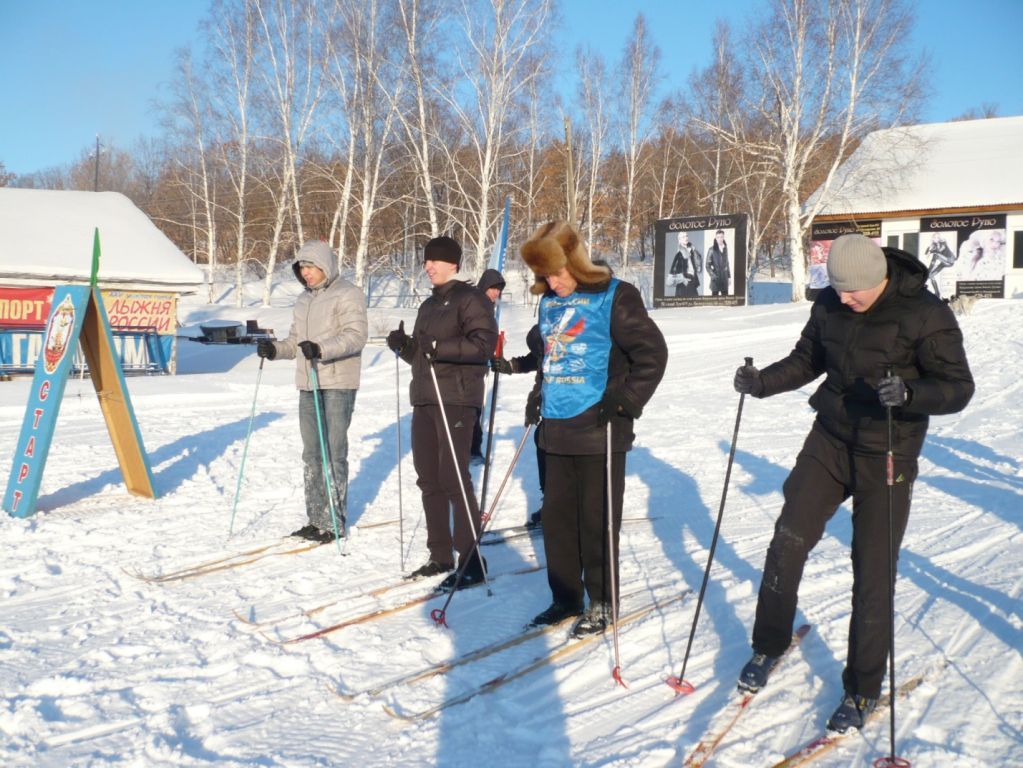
(46, 238)
(935, 166)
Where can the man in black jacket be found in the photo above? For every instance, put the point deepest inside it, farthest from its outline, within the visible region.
(455, 333)
(492, 284)
(875, 317)
(603, 358)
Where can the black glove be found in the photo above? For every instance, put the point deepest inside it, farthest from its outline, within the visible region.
(892, 392)
(500, 365)
(613, 404)
(748, 381)
(265, 348)
(310, 349)
(397, 340)
(533, 407)
(427, 345)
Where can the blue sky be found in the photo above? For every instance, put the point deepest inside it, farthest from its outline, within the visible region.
(70, 69)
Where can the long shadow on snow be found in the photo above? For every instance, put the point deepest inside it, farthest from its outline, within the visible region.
(676, 503)
(186, 454)
(522, 724)
(734, 635)
(379, 466)
(982, 603)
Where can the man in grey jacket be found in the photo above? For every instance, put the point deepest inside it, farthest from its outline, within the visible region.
(329, 329)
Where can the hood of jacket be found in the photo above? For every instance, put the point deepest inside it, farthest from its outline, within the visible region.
(490, 278)
(905, 270)
(320, 254)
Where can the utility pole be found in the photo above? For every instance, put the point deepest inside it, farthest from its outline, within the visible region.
(95, 178)
(570, 174)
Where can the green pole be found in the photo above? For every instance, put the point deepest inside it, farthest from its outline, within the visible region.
(94, 278)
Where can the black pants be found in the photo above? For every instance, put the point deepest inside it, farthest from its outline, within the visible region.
(437, 478)
(575, 525)
(826, 474)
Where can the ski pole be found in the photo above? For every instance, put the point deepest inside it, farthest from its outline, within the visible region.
(314, 379)
(612, 562)
(454, 460)
(439, 615)
(245, 450)
(679, 684)
(891, 759)
(490, 426)
(397, 430)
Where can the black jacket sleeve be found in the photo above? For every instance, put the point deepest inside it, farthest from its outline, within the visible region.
(946, 383)
(635, 375)
(801, 366)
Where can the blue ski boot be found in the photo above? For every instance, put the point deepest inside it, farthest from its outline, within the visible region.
(851, 713)
(754, 675)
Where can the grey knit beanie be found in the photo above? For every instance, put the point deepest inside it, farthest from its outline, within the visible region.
(856, 263)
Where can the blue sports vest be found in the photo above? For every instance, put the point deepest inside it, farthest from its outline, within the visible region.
(577, 347)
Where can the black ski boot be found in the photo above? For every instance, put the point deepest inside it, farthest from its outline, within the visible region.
(851, 713)
(309, 531)
(754, 675)
(430, 568)
(555, 613)
(474, 573)
(594, 621)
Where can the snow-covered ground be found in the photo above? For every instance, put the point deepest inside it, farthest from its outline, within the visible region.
(99, 667)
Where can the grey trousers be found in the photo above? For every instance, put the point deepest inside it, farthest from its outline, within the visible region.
(336, 406)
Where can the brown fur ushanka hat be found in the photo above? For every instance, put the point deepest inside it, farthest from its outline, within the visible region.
(556, 245)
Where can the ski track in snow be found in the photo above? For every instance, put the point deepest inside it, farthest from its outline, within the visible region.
(99, 667)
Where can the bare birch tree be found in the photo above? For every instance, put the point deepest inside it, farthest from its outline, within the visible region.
(190, 112)
(593, 86)
(418, 21)
(638, 74)
(291, 75)
(232, 31)
(503, 40)
(827, 72)
(361, 47)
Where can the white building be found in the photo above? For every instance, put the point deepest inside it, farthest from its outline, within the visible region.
(951, 193)
(46, 239)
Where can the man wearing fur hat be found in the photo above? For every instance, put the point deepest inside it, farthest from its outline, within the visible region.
(329, 329)
(877, 316)
(603, 359)
(455, 334)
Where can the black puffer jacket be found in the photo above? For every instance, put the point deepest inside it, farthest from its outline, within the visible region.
(461, 318)
(910, 330)
(636, 365)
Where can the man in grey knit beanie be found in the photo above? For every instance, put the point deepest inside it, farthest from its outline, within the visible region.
(888, 349)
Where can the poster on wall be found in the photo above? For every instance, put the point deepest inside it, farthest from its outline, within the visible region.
(964, 255)
(700, 260)
(822, 235)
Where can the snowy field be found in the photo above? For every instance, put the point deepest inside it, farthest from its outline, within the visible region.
(101, 667)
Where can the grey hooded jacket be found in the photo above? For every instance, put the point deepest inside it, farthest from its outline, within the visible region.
(334, 316)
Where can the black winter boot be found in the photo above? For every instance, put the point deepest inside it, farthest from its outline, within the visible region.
(474, 573)
(754, 675)
(554, 614)
(430, 568)
(851, 713)
(594, 621)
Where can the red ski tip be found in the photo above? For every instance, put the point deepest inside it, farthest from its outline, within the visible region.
(616, 673)
(680, 686)
(437, 614)
(891, 762)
